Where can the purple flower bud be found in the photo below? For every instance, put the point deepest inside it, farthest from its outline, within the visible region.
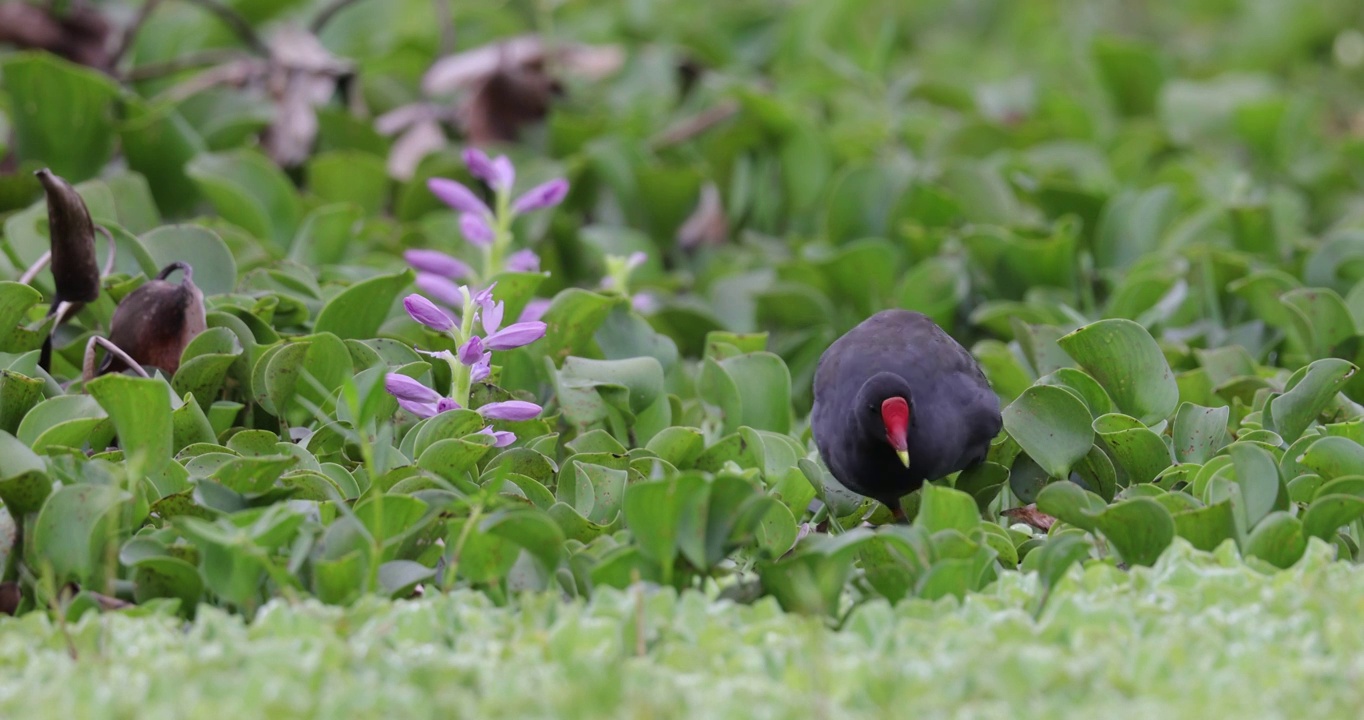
(445, 355)
(481, 369)
(492, 315)
(635, 260)
(421, 410)
(446, 405)
(457, 196)
(501, 438)
(436, 262)
(534, 310)
(515, 335)
(441, 289)
(405, 388)
(499, 173)
(476, 229)
(425, 312)
(541, 196)
(644, 302)
(510, 410)
(472, 351)
(523, 261)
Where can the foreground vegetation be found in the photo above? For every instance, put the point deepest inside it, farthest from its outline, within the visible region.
(1197, 636)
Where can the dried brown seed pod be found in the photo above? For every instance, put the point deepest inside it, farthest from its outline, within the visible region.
(155, 322)
(75, 271)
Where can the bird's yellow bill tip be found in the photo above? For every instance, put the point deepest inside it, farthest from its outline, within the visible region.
(904, 456)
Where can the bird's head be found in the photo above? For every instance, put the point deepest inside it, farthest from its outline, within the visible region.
(887, 411)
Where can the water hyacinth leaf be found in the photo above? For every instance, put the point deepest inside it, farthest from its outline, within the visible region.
(249, 190)
(1308, 392)
(1207, 527)
(1071, 504)
(361, 309)
(1027, 478)
(1278, 539)
(944, 508)
(1055, 557)
(764, 390)
(158, 143)
(72, 128)
(1322, 320)
(349, 176)
(533, 531)
(140, 409)
(167, 577)
(397, 578)
(1332, 457)
(1052, 426)
(1139, 529)
(1258, 476)
(571, 320)
(1085, 386)
(18, 395)
(1123, 357)
(15, 301)
(1137, 451)
(1132, 73)
(1199, 432)
(215, 269)
(24, 482)
(1005, 370)
(72, 531)
(587, 386)
(678, 445)
(1329, 512)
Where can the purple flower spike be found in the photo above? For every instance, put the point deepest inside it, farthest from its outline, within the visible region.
(501, 438)
(441, 289)
(476, 229)
(484, 295)
(535, 309)
(425, 312)
(523, 261)
(446, 405)
(405, 388)
(472, 351)
(515, 335)
(437, 263)
(421, 410)
(492, 316)
(510, 410)
(499, 173)
(481, 369)
(541, 196)
(457, 196)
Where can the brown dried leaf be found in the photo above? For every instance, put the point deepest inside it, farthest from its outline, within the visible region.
(75, 271)
(81, 35)
(155, 322)
(423, 138)
(1030, 515)
(707, 224)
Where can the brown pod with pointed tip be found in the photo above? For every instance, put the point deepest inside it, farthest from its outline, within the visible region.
(75, 271)
(155, 322)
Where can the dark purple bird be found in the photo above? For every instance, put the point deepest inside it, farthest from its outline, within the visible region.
(898, 402)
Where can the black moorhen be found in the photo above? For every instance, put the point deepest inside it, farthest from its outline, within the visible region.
(899, 402)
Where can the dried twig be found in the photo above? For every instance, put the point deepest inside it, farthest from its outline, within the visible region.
(695, 125)
(130, 34)
(88, 368)
(188, 61)
(236, 22)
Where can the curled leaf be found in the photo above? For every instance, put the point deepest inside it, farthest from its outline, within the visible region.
(75, 271)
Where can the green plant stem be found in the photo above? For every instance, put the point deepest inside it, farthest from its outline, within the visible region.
(452, 570)
(459, 372)
(496, 252)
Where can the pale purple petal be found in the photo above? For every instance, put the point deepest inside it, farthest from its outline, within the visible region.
(492, 315)
(542, 196)
(457, 196)
(484, 295)
(635, 260)
(498, 174)
(446, 405)
(471, 352)
(534, 310)
(421, 410)
(515, 335)
(442, 289)
(476, 229)
(523, 261)
(501, 438)
(510, 410)
(436, 262)
(481, 369)
(425, 312)
(445, 355)
(644, 302)
(406, 388)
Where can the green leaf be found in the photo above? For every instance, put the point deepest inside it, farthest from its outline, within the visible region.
(1329, 512)
(1140, 453)
(1071, 504)
(1333, 456)
(250, 191)
(359, 310)
(61, 113)
(1307, 394)
(1128, 363)
(74, 527)
(1207, 527)
(532, 530)
(1199, 432)
(1278, 540)
(215, 270)
(1140, 529)
(1258, 476)
(350, 176)
(944, 508)
(1052, 426)
(24, 483)
(140, 409)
